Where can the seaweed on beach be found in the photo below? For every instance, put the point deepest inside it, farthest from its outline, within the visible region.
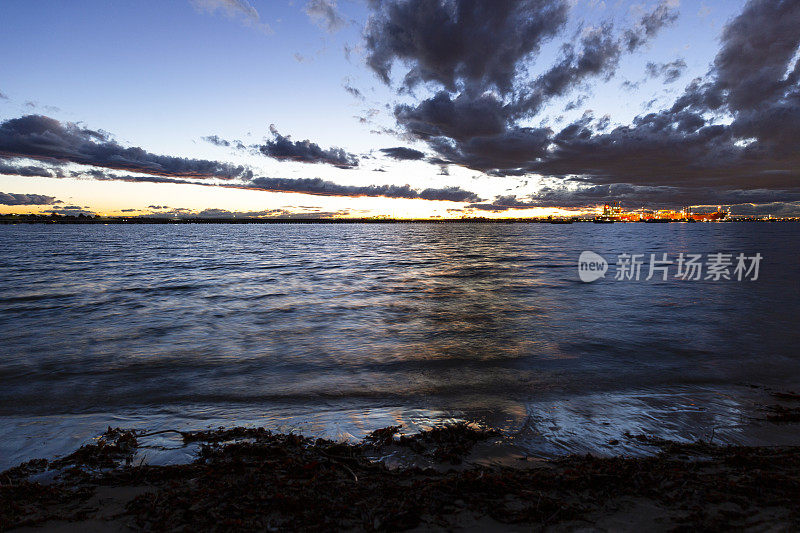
(290, 484)
(23, 471)
(250, 479)
(112, 447)
(382, 437)
(28, 503)
(445, 444)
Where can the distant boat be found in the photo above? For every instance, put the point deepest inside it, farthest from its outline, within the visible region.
(657, 220)
(603, 220)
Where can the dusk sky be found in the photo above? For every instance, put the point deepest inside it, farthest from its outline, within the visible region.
(404, 108)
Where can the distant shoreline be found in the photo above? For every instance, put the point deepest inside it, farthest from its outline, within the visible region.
(67, 219)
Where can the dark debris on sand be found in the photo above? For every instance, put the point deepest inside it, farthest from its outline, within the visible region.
(252, 479)
(444, 444)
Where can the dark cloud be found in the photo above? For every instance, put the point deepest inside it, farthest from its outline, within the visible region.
(478, 41)
(40, 137)
(3, 96)
(460, 118)
(385, 131)
(369, 115)
(669, 72)
(505, 153)
(731, 133)
(25, 199)
(224, 213)
(480, 113)
(216, 140)
(758, 47)
(324, 13)
(577, 103)
(598, 55)
(158, 207)
(72, 211)
(315, 186)
(652, 196)
(753, 67)
(322, 187)
(353, 91)
(269, 213)
(282, 147)
(101, 175)
(777, 209)
(504, 203)
(577, 195)
(679, 149)
(629, 85)
(450, 194)
(25, 170)
(403, 153)
(649, 25)
(479, 128)
(753, 80)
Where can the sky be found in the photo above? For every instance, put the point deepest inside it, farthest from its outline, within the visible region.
(399, 108)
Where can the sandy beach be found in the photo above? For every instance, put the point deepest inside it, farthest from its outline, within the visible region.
(252, 479)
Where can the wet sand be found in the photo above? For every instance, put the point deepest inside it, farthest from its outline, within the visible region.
(245, 478)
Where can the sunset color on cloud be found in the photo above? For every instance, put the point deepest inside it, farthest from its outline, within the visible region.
(395, 108)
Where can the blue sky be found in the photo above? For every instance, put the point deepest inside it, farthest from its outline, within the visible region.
(163, 75)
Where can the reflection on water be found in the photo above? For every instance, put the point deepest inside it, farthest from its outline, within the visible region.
(337, 330)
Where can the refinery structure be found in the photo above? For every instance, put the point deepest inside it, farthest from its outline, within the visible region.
(613, 213)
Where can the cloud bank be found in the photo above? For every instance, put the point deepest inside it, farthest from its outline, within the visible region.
(25, 199)
(41, 137)
(282, 147)
(322, 187)
(734, 132)
(403, 154)
(55, 143)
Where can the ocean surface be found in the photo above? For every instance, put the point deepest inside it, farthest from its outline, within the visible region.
(336, 330)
